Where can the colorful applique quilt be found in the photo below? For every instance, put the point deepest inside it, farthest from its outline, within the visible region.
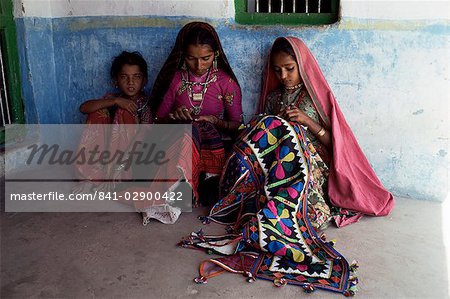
(264, 193)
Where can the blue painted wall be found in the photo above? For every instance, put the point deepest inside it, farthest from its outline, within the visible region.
(390, 81)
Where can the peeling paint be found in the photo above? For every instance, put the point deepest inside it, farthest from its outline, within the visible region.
(83, 23)
(114, 22)
(442, 153)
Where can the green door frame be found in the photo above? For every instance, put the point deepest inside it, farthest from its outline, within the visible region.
(11, 63)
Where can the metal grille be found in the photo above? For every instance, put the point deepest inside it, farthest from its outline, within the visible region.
(289, 6)
(4, 102)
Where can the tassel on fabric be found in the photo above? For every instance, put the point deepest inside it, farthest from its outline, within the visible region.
(279, 282)
(250, 277)
(332, 242)
(349, 293)
(352, 281)
(201, 280)
(308, 288)
(354, 266)
(204, 219)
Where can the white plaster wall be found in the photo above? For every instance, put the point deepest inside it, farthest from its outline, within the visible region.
(216, 9)
(396, 10)
(364, 9)
(402, 125)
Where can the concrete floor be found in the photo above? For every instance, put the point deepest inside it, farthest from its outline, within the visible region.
(111, 255)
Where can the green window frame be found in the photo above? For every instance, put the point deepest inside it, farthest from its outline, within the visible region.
(10, 57)
(242, 15)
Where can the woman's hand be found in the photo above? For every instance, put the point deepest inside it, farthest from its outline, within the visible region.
(181, 113)
(293, 113)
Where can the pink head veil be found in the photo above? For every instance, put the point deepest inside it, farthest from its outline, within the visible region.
(352, 183)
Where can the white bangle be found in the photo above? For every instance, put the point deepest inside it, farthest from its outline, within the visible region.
(321, 132)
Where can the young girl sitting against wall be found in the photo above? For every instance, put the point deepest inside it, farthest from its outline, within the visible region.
(128, 105)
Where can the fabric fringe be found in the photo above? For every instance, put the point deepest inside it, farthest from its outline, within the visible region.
(308, 288)
(331, 243)
(352, 280)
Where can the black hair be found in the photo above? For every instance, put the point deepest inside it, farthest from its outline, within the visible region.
(200, 36)
(131, 58)
(282, 45)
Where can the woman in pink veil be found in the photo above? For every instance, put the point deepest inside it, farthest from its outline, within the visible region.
(352, 183)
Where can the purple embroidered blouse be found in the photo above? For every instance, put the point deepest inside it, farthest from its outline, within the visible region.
(222, 98)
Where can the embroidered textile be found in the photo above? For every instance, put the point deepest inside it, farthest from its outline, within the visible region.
(266, 185)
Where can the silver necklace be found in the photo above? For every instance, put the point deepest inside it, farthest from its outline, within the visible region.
(298, 86)
(290, 97)
(197, 96)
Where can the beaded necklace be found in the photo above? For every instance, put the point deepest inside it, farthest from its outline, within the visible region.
(196, 96)
(286, 99)
(298, 86)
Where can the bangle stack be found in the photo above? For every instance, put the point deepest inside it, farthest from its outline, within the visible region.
(321, 132)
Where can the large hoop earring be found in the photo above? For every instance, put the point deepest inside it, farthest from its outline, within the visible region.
(216, 55)
(183, 66)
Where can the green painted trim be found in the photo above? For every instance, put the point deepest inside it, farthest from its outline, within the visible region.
(286, 19)
(244, 17)
(11, 60)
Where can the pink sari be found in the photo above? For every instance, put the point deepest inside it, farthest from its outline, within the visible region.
(352, 183)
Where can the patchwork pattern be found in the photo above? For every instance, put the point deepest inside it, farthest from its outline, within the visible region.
(266, 184)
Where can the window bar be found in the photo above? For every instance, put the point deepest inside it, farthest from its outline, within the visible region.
(294, 4)
(318, 5)
(4, 93)
(306, 6)
(257, 6)
(251, 5)
(282, 6)
(270, 6)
